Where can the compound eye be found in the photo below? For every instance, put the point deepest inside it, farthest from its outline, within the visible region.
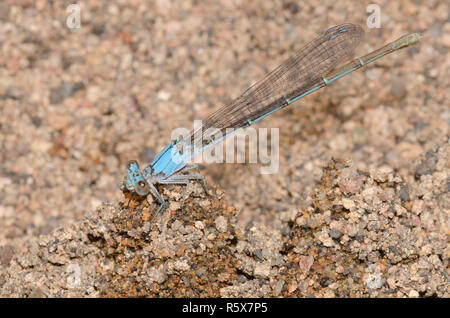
(131, 163)
(142, 188)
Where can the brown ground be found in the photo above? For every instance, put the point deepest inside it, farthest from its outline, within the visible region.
(76, 105)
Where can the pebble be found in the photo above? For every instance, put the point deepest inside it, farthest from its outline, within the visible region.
(6, 254)
(221, 224)
(262, 270)
(398, 88)
(413, 294)
(348, 203)
(374, 281)
(335, 234)
(305, 263)
(157, 275)
(176, 225)
(278, 287)
(199, 225)
(404, 193)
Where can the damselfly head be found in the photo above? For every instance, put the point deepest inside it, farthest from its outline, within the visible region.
(132, 163)
(135, 182)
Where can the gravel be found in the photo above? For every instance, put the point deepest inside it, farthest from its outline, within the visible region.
(76, 105)
(382, 249)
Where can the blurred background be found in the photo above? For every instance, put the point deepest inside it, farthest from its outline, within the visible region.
(77, 104)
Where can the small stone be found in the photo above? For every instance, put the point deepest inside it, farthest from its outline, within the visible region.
(398, 89)
(333, 286)
(305, 263)
(59, 121)
(223, 277)
(181, 265)
(4, 11)
(93, 94)
(37, 293)
(324, 281)
(422, 170)
(6, 254)
(157, 275)
(413, 294)
(164, 96)
(262, 270)
(348, 204)
(201, 271)
(221, 224)
(446, 39)
(324, 238)
(404, 193)
(292, 287)
(381, 174)
(176, 225)
(199, 225)
(335, 234)
(278, 287)
(65, 90)
(300, 221)
(329, 294)
(352, 184)
(285, 231)
(259, 255)
(174, 205)
(374, 280)
(241, 279)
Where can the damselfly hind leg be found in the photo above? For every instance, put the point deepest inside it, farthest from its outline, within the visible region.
(178, 178)
(162, 203)
(196, 176)
(162, 206)
(181, 182)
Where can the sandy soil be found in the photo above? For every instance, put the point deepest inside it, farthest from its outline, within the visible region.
(77, 104)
